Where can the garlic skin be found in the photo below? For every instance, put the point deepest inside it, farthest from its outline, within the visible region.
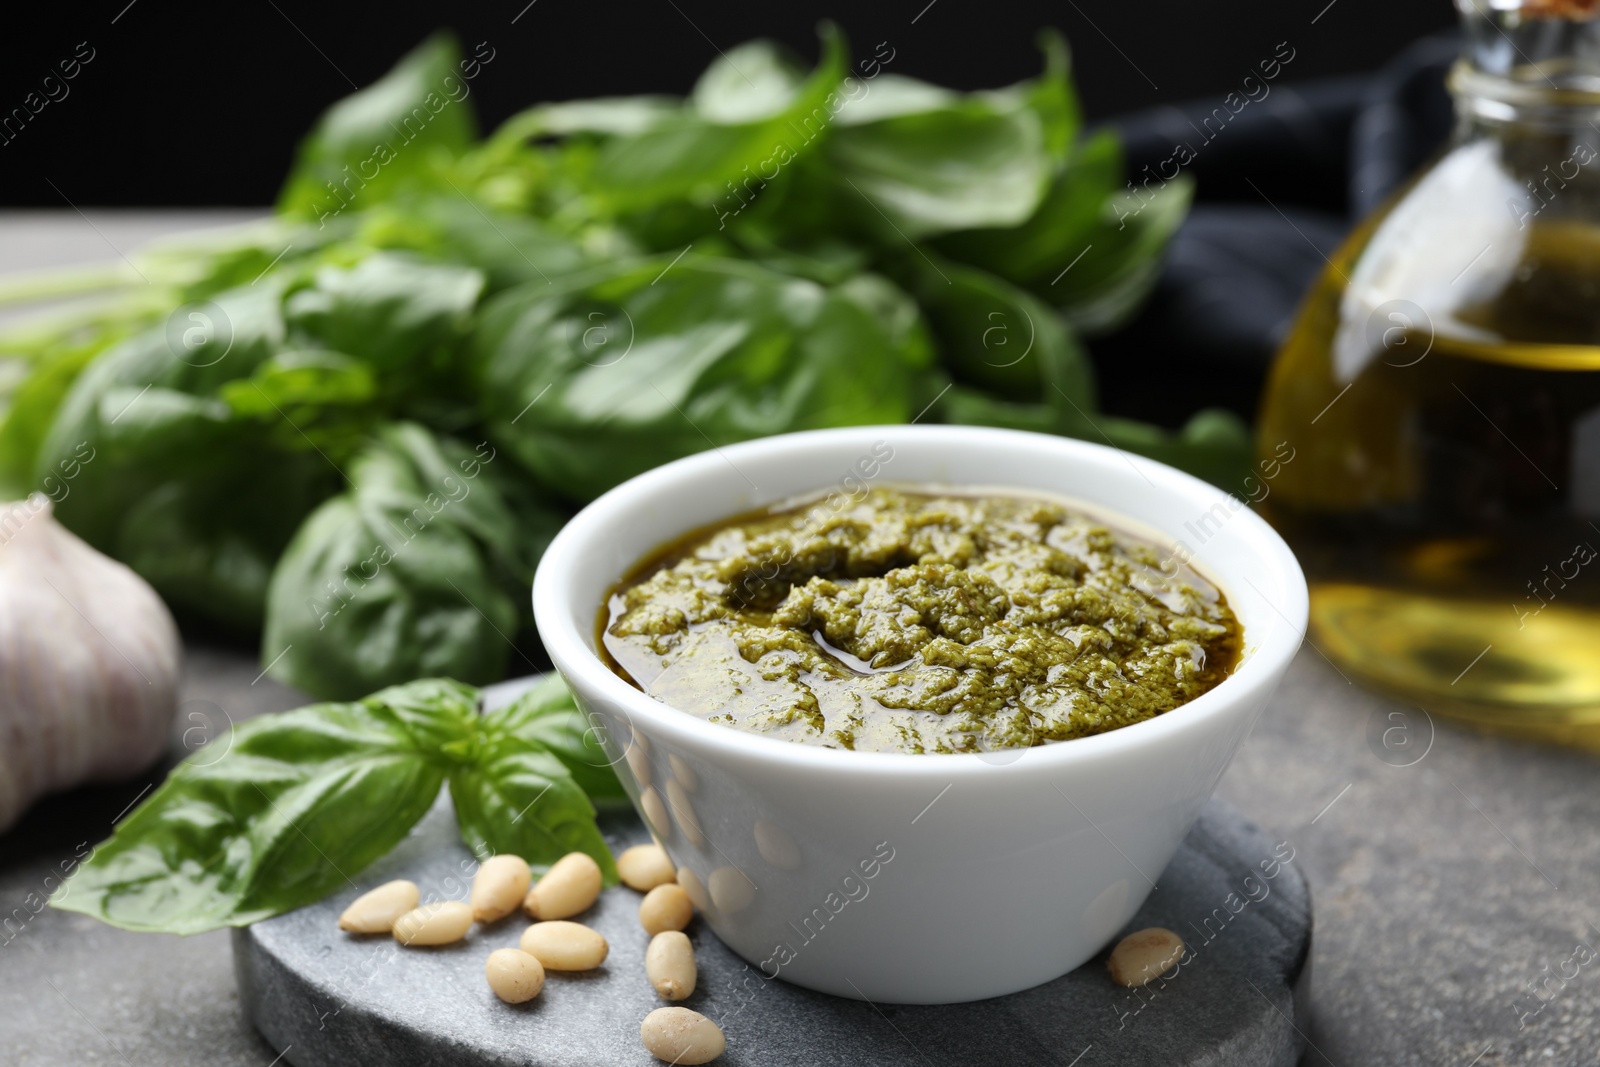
(89, 661)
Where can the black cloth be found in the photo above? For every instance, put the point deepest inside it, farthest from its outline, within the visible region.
(1277, 188)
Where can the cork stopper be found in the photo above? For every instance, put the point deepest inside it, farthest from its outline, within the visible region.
(1570, 10)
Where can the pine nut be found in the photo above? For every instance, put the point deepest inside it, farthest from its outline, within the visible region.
(731, 890)
(569, 887)
(514, 975)
(564, 946)
(1144, 955)
(683, 772)
(433, 924)
(669, 964)
(643, 867)
(775, 846)
(688, 821)
(679, 1035)
(666, 907)
(655, 813)
(695, 888)
(498, 887)
(375, 911)
(638, 763)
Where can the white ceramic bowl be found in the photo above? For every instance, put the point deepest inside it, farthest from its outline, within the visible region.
(918, 878)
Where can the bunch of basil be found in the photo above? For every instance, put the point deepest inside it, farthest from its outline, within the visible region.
(365, 417)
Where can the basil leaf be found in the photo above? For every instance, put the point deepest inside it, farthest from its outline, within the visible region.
(409, 460)
(298, 384)
(208, 548)
(508, 248)
(548, 712)
(393, 310)
(159, 460)
(751, 82)
(614, 115)
(893, 95)
(1037, 252)
(999, 338)
(297, 805)
(308, 401)
(1214, 445)
(405, 317)
(1124, 261)
(976, 161)
(438, 713)
(938, 162)
(156, 423)
(619, 371)
(688, 157)
(384, 136)
(136, 445)
(518, 796)
(1051, 96)
(1091, 248)
(31, 409)
(396, 576)
(974, 407)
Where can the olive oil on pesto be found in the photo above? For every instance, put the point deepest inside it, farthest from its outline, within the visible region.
(910, 621)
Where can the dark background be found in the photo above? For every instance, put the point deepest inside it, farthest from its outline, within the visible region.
(187, 104)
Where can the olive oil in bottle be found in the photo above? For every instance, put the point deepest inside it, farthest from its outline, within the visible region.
(1441, 389)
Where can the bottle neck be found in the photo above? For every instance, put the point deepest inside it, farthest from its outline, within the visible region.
(1486, 103)
(1533, 63)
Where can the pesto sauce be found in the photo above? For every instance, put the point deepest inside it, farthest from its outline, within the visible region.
(903, 621)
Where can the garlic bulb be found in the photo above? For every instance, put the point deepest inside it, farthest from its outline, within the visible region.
(88, 662)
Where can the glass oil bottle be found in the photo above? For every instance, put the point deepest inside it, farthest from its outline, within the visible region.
(1441, 392)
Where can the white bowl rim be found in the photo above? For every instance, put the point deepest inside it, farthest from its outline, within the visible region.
(1269, 648)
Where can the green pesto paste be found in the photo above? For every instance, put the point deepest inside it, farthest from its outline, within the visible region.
(902, 621)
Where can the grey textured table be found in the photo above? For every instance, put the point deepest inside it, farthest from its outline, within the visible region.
(1443, 889)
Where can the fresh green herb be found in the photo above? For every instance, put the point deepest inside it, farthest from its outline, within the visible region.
(406, 571)
(719, 348)
(597, 287)
(297, 804)
(546, 711)
(385, 137)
